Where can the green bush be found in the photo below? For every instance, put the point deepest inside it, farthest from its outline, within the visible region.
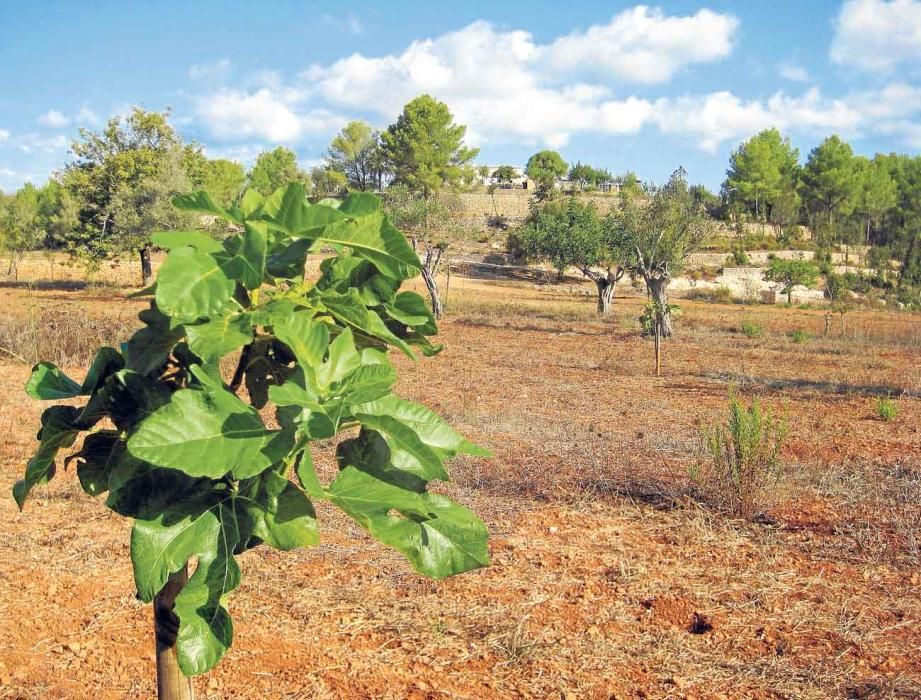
(886, 408)
(751, 329)
(742, 463)
(799, 336)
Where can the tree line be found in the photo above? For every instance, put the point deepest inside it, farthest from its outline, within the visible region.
(118, 185)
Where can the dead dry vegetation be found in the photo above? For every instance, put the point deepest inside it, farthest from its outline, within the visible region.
(615, 574)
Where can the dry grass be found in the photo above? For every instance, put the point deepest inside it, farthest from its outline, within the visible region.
(607, 580)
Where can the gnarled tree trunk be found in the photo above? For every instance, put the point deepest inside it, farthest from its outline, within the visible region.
(657, 287)
(146, 266)
(430, 264)
(606, 282)
(605, 295)
(172, 684)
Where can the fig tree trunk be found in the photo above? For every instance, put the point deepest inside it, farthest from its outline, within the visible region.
(657, 287)
(172, 684)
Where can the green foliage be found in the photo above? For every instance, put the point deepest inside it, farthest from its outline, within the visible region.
(886, 408)
(274, 169)
(425, 149)
(791, 273)
(224, 181)
(653, 313)
(743, 453)
(505, 173)
(545, 168)
(120, 172)
(663, 232)
(830, 180)
(170, 442)
(751, 329)
(571, 233)
(356, 153)
(327, 181)
(740, 257)
(763, 174)
(588, 176)
(799, 336)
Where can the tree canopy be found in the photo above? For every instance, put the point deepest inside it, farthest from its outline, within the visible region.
(356, 153)
(424, 148)
(545, 168)
(274, 169)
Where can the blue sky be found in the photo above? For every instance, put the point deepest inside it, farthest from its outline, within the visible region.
(619, 85)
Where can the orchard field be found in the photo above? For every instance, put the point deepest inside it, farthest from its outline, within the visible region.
(612, 575)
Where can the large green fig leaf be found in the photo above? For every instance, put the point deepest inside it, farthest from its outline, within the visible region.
(202, 203)
(205, 627)
(248, 263)
(48, 383)
(437, 536)
(220, 336)
(280, 514)
(192, 286)
(208, 431)
(57, 431)
(202, 242)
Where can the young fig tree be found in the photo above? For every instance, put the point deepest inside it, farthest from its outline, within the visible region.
(183, 449)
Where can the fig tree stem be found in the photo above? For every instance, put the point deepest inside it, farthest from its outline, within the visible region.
(171, 683)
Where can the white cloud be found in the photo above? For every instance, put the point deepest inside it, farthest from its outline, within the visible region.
(266, 114)
(4, 135)
(506, 86)
(54, 119)
(875, 35)
(86, 117)
(210, 72)
(793, 73)
(646, 46)
(350, 23)
(33, 142)
(12, 180)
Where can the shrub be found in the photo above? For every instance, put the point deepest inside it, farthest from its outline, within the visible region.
(723, 295)
(740, 257)
(886, 409)
(742, 462)
(799, 336)
(752, 329)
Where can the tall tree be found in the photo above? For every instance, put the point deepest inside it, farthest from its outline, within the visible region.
(147, 206)
(20, 225)
(274, 169)
(107, 167)
(425, 151)
(662, 233)
(829, 181)
(762, 174)
(424, 148)
(877, 192)
(545, 168)
(571, 234)
(58, 213)
(356, 153)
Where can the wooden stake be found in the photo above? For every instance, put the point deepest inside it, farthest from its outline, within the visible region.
(171, 683)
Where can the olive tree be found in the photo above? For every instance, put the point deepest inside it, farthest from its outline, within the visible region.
(662, 229)
(571, 234)
(174, 444)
